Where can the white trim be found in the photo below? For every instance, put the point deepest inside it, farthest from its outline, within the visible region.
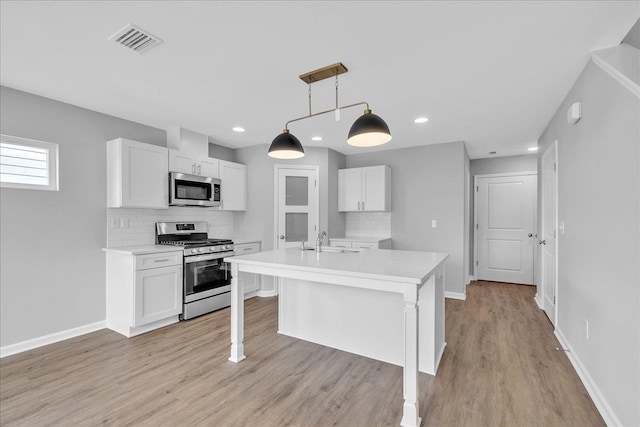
(552, 146)
(471, 279)
(474, 228)
(616, 74)
(276, 185)
(594, 391)
(266, 294)
(538, 302)
(52, 163)
(16, 348)
(455, 295)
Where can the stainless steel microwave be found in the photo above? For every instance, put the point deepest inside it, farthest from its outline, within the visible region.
(193, 190)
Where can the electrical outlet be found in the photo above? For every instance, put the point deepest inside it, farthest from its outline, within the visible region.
(433, 223)
(586, 328)
(115, 223)
(561, 227)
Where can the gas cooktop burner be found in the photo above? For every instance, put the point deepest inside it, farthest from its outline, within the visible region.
(193, 237)
(196, 243)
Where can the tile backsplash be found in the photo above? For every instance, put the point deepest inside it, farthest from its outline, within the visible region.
(127, 227)
(368, 224)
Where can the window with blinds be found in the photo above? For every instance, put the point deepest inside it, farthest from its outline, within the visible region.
(27, 163)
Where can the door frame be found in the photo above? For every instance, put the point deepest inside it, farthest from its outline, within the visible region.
(476, 178)
(276, 194)
(552, 146)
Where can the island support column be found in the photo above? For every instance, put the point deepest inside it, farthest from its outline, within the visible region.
(237, 316)
(410, 410)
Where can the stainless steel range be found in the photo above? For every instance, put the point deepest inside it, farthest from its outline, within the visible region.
(207, 279)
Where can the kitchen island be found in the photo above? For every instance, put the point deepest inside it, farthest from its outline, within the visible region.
(384, 304)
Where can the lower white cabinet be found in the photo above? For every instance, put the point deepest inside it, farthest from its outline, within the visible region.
(250, 281)
(354, 242)
(144, 292)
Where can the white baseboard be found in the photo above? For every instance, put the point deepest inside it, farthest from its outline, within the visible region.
(472, 279)
(455, 295)
(11, 349)
(592, 388)
(538, 302)
(266, 294)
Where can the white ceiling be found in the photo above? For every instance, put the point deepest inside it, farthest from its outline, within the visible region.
(491, 74)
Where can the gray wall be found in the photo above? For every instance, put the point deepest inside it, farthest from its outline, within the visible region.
(52, 268)
(598, 256)
(427, 183)
(220, 152)
(493, 165)
(633, 37)
(504, 164)
(258, 221)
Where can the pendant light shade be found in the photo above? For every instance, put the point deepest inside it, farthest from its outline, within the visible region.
(286, 146)
(368, 130)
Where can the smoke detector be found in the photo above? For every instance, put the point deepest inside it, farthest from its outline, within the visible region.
(136, 38)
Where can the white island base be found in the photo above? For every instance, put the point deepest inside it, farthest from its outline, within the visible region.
(383, 304)
(364, 322)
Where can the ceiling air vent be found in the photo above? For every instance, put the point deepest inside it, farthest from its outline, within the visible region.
(135, 38)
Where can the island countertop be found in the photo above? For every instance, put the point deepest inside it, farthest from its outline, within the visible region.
(380, 264)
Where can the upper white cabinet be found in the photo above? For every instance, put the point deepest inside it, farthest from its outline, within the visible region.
(364, 189)
(233, 177)
(180, 161)
(189, 153)
(137, 175)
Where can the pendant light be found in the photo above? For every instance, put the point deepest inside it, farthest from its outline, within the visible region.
(286, 146)
(369, 130)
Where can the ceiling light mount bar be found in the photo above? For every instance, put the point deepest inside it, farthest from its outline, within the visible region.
(367, 131)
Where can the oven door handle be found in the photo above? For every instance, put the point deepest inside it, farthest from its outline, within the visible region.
(207, 257)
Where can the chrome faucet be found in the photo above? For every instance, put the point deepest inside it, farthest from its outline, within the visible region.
(321, 236)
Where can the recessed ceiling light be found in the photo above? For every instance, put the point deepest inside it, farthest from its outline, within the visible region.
(317, 138)
(532, 148)
(238, 129)
(421, 120)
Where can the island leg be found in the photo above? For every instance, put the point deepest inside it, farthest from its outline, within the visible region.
(410, 410)
(237, 316)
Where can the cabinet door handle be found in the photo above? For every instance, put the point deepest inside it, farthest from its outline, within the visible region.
(363, 205)
(358, 204)
(193, 168)
(199, 169)
(247, 249)
(161, 260)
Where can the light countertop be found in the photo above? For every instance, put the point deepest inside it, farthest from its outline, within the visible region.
(394, 265)
(143, 249)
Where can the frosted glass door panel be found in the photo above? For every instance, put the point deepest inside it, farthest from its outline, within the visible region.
(297, 226)
(297, 191)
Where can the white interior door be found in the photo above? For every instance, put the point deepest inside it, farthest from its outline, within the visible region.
(548, 240)
(297, 196)
(505, 227)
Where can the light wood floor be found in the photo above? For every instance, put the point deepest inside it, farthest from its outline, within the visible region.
(500, 367)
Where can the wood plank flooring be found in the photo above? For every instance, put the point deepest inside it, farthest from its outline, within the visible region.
(500, 367)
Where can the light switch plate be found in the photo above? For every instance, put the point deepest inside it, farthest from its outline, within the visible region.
(433, 223)
(561, 227)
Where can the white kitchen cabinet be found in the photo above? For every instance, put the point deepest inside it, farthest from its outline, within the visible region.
(361, 242)
(137, 175)
(233, 177)
(364, 189)
(251, 282)
(181, 161)
(144, 291)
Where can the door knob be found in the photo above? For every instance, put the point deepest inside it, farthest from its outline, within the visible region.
(282, 237)
(542, 242)
(530, 235)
